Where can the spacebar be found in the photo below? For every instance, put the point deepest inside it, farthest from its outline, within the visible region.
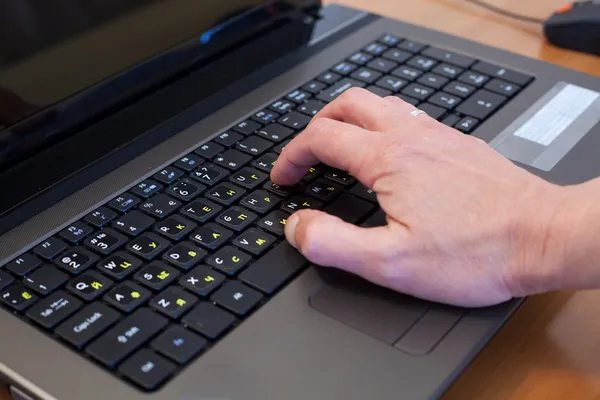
(274, 268)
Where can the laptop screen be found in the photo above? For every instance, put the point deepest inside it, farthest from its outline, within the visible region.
(53, 51)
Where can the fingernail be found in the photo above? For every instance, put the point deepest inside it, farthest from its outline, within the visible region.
(290, 230)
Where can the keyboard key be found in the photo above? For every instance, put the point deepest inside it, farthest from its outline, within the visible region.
(50, 248)
(119, 265)
(481, 105)
(5, 279)
(201, 210)
(444, 100)
(422, 63)
(76, 260)
(260, 201)
(467, 124)
(106, 241)
(189, 162)
(341, 177)
(282, 106)
(391, 83)
(450, 120)
(409, 45)
(345, 68)
(175, 227)
(377, 219)
(168, 175)
(127, 296)
(459, 89)
(75, 232)
(363, 192)
(100, 217)
(146, 188)
(133, 223)
(266, 162)
(294, 120)
(366, 75)
(448, 57)
(435, 112)
(156, 275)
(337, 89)
(310, 108)
(209, 320)
(160, 205)
(275, 132)
(433, 80)
(237, 297)
(313, 173)
(184, 255)
(18, 297)
(447, 70)
(254, 145)
(179, 344)
(397, 56)
(225, 193)
(148, 245)
(209, 174)
(127, 336)
(202, 280)
(296, 203)
(375, 49)
(173, 302)
(124, 202)
(208, 151)
(502, 87)
(147, 369)
(186, 189)
(389, 40)
(211, 236)
(349, 208)
(382, 65)
(274, 222)
(254, 241)
(329, 77)
(24, 264)
(89, 286)
(54, 309)
(44, 280)
(418, 91)
(229, 260)
(473, 78)
(376, 90)
(409, 100)
(86, 324)
(236, 218)
(228, 139)
(360, 58)
(324, 190)
(283, 191)
(247, 127)
(249, 178)
(314, 87)
(274, 269)
(407, 73)
(298, 96)
(502, 73)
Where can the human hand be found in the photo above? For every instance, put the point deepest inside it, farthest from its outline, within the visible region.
(465, 225)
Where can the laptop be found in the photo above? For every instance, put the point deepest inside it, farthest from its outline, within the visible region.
(142, 253)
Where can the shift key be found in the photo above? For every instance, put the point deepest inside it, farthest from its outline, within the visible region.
(336, 90)
(126, 337)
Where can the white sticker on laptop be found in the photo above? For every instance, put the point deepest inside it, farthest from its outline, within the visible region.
(551, 127)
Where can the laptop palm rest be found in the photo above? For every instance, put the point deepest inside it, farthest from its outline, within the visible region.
(409, 324)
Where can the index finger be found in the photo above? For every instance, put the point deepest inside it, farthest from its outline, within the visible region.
(337, 144)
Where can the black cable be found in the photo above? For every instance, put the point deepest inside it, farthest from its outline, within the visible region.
(506, 13)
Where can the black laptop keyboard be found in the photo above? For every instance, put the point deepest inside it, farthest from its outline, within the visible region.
(156, 276)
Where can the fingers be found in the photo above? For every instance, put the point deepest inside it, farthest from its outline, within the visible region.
(362, 108)
(329, 241)
(337, 144)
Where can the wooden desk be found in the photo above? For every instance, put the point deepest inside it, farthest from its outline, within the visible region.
(550, 349)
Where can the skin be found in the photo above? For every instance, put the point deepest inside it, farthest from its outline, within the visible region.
(465, 225)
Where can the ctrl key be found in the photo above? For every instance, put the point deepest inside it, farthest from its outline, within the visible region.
(87, 324)
(147, 369)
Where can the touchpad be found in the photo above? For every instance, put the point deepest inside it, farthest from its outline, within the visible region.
(382, 313)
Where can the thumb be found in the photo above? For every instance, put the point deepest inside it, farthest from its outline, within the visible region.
(329, 241)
